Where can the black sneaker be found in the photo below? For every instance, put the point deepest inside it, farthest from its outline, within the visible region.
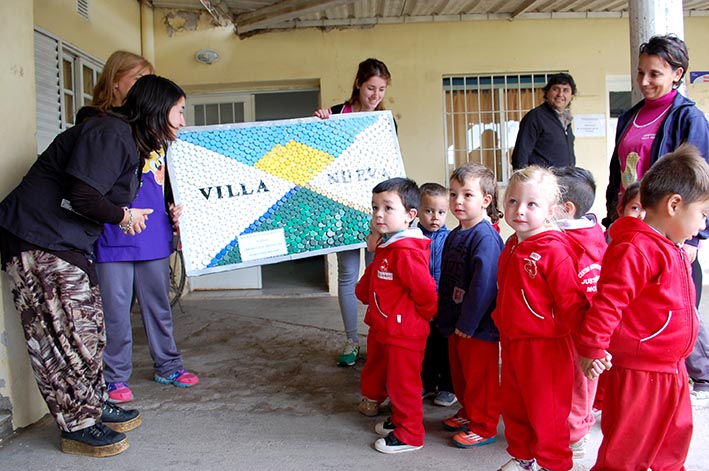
(98, 441)
(391, 444)
(120, 420)
(384, 428)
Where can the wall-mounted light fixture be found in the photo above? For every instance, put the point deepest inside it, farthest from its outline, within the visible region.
(207, 56)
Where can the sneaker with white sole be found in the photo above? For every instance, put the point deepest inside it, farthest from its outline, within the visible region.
(119, 392)
(349, 354)
(579, 448)
(699, 398)
(390, 444)
(445, 399)
(384, 428)
(519, 465)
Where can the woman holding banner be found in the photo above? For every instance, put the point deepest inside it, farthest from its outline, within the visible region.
(368, 91)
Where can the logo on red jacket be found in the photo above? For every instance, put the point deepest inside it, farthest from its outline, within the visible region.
(530, 264)
(383, 271)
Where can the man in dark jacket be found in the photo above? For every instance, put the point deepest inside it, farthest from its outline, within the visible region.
(545, 136)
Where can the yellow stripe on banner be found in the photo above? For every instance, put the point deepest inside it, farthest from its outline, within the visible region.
(294, 162)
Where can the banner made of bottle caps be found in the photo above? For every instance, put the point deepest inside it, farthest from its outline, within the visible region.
(265, 192)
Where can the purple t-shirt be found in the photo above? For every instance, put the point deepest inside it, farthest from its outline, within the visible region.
(155, 241)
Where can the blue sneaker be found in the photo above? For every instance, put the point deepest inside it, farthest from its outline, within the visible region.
(445, 399)
(180, 378)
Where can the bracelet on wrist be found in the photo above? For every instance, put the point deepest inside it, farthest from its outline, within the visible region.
(127, 226)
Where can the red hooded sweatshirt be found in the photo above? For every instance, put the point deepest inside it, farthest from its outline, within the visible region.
(643, 313)
(399, 290)
(538, 291)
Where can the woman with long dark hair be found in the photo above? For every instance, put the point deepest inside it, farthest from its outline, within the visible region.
(48, 226)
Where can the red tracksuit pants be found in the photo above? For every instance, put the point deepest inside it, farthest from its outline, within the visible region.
(581, 417)
(475, 371)
(537, 379)
(395, 371)
(647, 420)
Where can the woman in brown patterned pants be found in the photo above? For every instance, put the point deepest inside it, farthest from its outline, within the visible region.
(48, 226)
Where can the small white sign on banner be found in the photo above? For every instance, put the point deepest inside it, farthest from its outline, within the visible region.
(262, 245)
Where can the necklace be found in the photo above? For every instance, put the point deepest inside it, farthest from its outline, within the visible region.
(640, 126)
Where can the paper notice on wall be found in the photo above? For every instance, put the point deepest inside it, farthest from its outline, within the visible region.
(589, 125)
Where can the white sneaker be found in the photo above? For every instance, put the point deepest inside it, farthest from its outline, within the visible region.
(391, 444)
(519, 465)
(700, 398)
(579, 448)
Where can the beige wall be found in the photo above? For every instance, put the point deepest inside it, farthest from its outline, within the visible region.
(18, 390)
(418, 55)
(112, 24)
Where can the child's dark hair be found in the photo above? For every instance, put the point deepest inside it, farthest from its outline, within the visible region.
(683, 172)
(406, 188)
(488, 184)
(433, 189)
(628, 195)
(577, 186)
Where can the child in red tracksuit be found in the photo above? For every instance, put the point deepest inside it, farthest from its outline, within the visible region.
(539, 303)
(586, 237)
(401, 297)
(644, 316)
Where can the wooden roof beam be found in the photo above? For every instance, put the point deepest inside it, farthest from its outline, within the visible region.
(279, 12)
(526, 5)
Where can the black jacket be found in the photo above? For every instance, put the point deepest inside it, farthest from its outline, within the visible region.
(542, 140)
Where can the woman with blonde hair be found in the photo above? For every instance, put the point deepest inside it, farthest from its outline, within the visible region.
(139, 265)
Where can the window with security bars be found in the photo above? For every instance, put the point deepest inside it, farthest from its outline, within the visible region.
(482, 115)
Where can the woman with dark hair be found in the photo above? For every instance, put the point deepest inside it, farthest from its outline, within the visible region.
(48, 225)
(368, 92)
(128, 264)
(658, 125)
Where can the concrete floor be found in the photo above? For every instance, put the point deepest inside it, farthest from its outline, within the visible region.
(270, 398)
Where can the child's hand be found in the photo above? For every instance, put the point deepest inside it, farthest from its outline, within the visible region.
(323, 113)
(593, 368)
(373, 239)
(461, 334)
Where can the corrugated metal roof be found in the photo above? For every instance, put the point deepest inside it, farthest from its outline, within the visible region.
(258, 16)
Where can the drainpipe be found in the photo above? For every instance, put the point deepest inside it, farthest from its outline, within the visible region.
(147, 36)
(648, 18)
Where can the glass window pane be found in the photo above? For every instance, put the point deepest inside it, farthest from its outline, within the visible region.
(88, 77)
(68, 108)
(226, 111)
(199, 115)
(239, 113)
(67, 74)
(212, 113)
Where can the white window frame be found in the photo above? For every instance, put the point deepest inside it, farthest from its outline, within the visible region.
(51, 86)
(219, 98)
(507, 135)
